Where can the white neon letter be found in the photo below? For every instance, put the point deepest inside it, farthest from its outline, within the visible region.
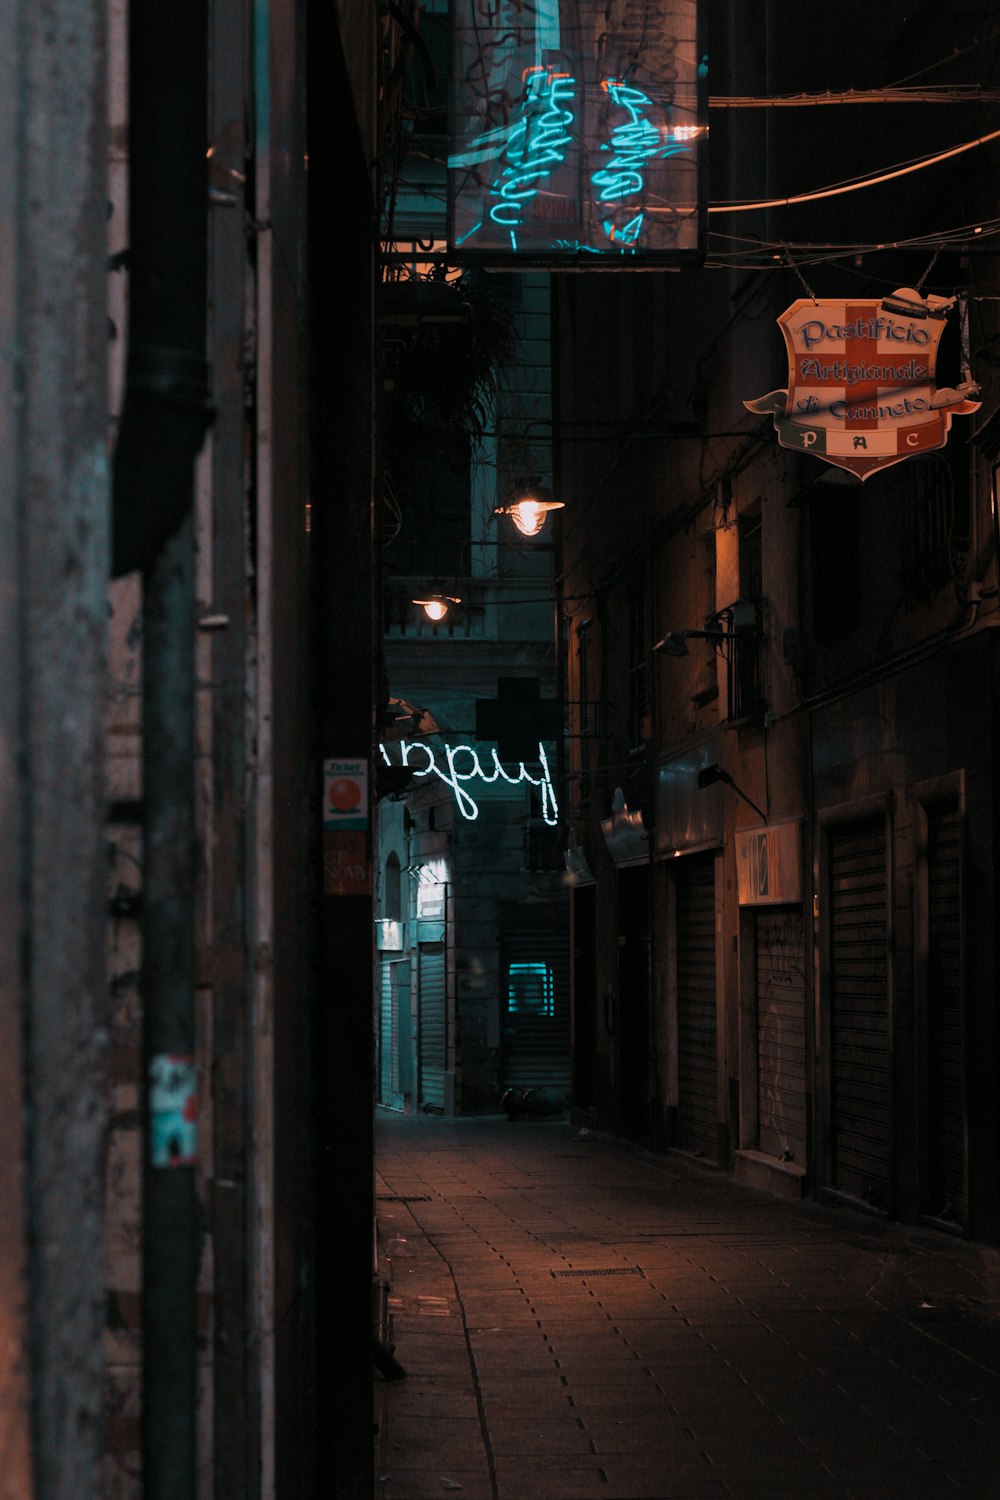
(405, 751)
(467, 805)
(549, 803)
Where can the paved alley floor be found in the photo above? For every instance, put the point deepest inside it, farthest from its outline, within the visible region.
(580, 1319)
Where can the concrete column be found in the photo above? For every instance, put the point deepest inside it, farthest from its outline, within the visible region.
(54, 504)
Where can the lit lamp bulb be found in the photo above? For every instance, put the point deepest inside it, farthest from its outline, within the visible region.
(437, 606)
(529, 511)
(528, 516)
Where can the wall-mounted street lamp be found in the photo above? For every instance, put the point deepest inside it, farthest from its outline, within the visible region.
(528, 504)
(709, 775)
(742, 618)
(674, 643)
(436, 606)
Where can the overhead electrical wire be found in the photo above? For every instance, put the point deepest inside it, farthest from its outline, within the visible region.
(943, 93)
(747, 253)
(953, 56)
(854, 185)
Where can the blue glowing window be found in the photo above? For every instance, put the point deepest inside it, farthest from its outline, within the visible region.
(530, 990)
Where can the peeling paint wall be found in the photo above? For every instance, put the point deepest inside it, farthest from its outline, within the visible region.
(54, 510)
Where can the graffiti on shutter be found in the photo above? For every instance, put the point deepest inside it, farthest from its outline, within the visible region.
(781, 1051)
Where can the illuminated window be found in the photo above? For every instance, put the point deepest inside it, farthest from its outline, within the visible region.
(530, 990)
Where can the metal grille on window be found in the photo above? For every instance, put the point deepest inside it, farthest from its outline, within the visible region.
(746, 662)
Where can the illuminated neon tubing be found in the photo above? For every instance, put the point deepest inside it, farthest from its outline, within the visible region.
(454, 778)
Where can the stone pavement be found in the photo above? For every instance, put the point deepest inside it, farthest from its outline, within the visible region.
(580, 1319)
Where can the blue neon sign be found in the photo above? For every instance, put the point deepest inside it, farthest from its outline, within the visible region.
(576, 129)
(537, 145)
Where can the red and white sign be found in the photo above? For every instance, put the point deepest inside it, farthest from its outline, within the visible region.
(862, 391)
(769, 865)
(345, 794)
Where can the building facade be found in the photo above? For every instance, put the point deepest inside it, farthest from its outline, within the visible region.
(782, 680)
(185, 510)
(472, 1000)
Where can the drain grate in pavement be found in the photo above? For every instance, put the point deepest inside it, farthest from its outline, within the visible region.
(396, 1198)
(602, 1271)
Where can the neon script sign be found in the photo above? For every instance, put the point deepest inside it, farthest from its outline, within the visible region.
(462, 765)
(575, 128)
(634, 144)
(537, 145)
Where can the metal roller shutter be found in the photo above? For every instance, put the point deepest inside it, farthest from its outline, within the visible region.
(536, 1023)
(945, 1181)
(697, 1047)
(390, 1094)
(781, 1041)
(433, 1023)
(859, 1011)
(385, 1035)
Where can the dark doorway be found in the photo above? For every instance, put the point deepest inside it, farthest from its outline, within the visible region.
(534, 973)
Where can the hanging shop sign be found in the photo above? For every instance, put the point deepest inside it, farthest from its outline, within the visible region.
(578, 130)
(578, 871)
(624, 832)
(345, 794)
(346, 864)
(689, 815)
(769, 865)
(862, 390)
(459, 765)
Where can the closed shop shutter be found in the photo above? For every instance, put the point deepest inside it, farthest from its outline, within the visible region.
(389, 1080)
(385, 1035)
(536, 1022)
(433, 1023)
(859, 1011)
(697, 1047)
(945, 1178)
(781, 1040)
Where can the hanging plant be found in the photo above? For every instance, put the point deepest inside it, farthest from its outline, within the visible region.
(443, 345)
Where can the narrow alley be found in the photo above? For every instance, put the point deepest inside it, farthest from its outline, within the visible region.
(577, 1318)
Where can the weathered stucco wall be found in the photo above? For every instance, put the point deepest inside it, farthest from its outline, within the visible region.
(54, 503)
